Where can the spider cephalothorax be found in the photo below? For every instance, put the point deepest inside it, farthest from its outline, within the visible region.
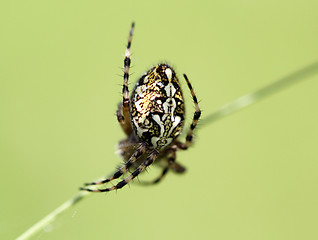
(152, 119)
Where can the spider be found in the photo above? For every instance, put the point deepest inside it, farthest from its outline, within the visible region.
(152, 119)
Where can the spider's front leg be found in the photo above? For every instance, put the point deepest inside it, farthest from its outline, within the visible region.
(150, 159)
(140, 150)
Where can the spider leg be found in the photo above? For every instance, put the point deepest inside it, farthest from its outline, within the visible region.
(177, 168)
(125, 104)
(158, 179)
(195, 120)
(174, 166)
(151, 158)
(171, 166)
(141, 150)
(125, 125)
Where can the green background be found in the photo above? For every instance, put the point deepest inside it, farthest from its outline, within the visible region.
(252, 175)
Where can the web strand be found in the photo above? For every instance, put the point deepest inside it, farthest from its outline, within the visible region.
(260, 94)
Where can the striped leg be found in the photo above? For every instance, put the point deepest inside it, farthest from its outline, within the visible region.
(125, 125)
(172, 165)
(195, 120)
(141, 150)
(171, 160)
(158, 179)
(126, 77)
(151, 158)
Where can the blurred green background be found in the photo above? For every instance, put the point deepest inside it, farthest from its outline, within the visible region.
(252, 175)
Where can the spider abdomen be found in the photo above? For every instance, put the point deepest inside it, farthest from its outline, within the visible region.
(157, 107)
